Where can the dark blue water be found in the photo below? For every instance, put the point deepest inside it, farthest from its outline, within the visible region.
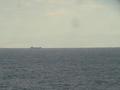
(60, 69)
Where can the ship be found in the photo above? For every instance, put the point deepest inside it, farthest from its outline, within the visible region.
(35, 47)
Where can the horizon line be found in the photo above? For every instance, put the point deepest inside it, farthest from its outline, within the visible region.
(52, 47)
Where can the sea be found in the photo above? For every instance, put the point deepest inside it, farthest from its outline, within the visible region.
(60, 69)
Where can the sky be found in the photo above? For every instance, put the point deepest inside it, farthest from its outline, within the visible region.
(59, 23)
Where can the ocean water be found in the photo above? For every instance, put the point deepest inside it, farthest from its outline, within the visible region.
(60, 69)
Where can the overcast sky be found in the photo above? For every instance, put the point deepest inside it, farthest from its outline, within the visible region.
(59, 23)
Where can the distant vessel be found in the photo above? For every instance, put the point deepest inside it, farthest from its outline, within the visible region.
(35, 47)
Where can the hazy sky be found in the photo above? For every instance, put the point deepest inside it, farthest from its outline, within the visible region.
(59, 23)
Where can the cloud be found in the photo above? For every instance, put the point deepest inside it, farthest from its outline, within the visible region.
(90, 22)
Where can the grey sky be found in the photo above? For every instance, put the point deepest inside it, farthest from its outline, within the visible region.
(59, 23)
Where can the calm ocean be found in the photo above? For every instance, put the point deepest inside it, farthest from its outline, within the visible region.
(60, 69)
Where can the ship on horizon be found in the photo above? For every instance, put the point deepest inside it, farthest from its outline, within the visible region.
(35, 47)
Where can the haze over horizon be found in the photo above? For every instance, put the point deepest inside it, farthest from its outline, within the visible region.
(59, 23)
